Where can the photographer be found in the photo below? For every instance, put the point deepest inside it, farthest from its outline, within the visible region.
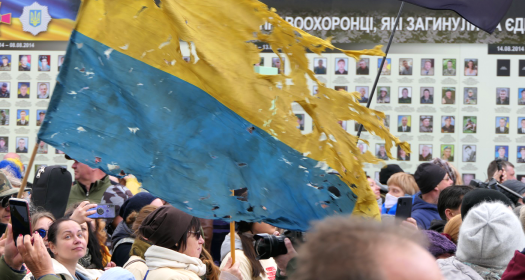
(245, 254)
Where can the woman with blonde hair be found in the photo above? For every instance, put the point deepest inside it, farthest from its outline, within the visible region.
(400, 184)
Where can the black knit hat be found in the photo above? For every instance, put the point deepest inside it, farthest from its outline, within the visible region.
(165, 226)
(387, 171)
(428, 176)
(478, 196)
(516, 186)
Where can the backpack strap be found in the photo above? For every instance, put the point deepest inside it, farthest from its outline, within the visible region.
(134, 261)
(146, 276)
(122, 241)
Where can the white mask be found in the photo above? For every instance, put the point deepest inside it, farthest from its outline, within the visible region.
(390, 201)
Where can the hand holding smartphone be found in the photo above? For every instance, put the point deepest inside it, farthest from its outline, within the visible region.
(20, 217)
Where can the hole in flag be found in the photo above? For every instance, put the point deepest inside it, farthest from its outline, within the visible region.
(140, 11)
(250, 209)
(241, 194)
(157, 2)
(335, 191)
(242, 164)
(215, 208)
(98, 159)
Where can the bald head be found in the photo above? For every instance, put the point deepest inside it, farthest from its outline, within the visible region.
(373, 251)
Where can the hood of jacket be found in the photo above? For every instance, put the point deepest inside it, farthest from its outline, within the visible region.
(160, 257)
(423, 212)
(122, 231)
(226, 245)
(452, 268)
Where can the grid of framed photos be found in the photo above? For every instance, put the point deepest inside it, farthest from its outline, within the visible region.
(27, 80)
(455, 102)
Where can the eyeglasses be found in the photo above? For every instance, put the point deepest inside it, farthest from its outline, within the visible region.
(5, 200)
(42, 232)
(196, 233)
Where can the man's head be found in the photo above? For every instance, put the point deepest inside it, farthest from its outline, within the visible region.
(5, 61)
(43, 89)
(4, 87)
(355, 243)
(23, 60)
(362, 64)
(402, 153)
(23, 115)
(470, 93)
(501, 152)
(341, 65)
(41, 115)
(43, 61)
(502, 94)
(426, 122)
(425, 151)
(21, 143)
(404, 121)
(404, 92)
(277, 63)
(502, 122)
(447, 152)
(382, 149)
(522, 152)
(449, 64)
(432, 180)
(449, 203)
(362, 91)
(507, 166)
(23, 89)
(428, 65)
(448, 121)
(2, 142)
(523, 123)
(468, 149)
(448, 93)
(320, 62)
(426, 93)
(405, 64)
(85, 174)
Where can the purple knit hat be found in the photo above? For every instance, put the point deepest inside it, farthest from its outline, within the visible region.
(439, 244)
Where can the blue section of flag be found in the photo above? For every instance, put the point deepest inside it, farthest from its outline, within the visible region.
(485, 14)
(184, 145)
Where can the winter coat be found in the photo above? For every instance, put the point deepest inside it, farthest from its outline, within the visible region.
(437, 225)
(121, 237)
(60, 270)
(137, 266)
(453, 269)
(516, 268)
(168, 264)
(423, 212)
(269, 265)
(391, 211)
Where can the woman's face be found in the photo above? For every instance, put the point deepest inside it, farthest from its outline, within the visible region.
(193, 245)
(85, 231)
(70, 242)
(374, 187)
(396, 191)
(470, 64)
(263, 228)
(43, 223)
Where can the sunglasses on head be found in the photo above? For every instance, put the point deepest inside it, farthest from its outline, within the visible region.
(5, 200)
(42, 232)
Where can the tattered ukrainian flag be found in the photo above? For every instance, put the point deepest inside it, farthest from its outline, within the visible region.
(194, 132)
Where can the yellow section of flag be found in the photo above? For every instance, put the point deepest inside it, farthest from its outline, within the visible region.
(221, 33)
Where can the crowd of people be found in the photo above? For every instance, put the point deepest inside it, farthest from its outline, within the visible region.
(454, 231)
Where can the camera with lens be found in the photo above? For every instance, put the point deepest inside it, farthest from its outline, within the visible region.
(270, 246)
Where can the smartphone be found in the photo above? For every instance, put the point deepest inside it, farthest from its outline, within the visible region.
(500, 167)
(404, 207)
(20, 218)
(104, 211)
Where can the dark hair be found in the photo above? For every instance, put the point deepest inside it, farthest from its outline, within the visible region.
(195, 225)
(92, 243)
(248, 250)
(451, 198)
(493, 167)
